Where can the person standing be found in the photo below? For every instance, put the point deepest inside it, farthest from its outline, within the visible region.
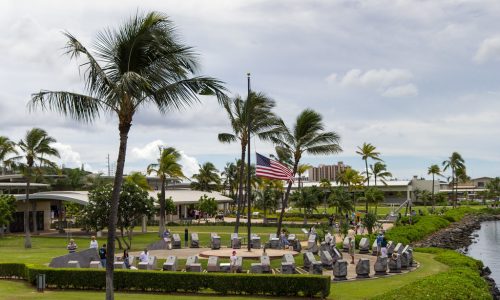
(233, 260)
(379, 243)
(186, 237)
(72, 246)
(103, 255)
(352, 246)
(383, 247)
(125, 259)
(329, 239)
(93, 243)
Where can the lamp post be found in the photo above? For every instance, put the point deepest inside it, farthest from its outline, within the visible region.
(249, 124)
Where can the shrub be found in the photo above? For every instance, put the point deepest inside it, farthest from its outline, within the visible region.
(410, 233)
(136, 280)
(455, 215)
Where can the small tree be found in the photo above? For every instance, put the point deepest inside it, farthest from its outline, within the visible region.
(7, 209)
(306, 198)
(369, 221)
(375, 196)
(134, 204)
(207, 205)
(170, 207)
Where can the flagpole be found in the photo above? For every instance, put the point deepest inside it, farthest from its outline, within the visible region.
(249, 123)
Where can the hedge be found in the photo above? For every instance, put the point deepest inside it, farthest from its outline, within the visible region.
(153, 281)
(410, 233)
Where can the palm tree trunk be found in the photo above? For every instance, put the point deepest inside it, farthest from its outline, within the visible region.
(240, 187)
(27, 236)
(162, 207)
(433, 200)
(124, 128)
(367, 183)
(33, 209)
(285, 200)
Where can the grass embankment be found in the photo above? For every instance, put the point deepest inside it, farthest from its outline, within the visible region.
(461, 281)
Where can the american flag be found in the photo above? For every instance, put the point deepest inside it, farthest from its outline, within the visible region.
(272, 169)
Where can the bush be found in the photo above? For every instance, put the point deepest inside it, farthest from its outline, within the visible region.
(135, 280)
(455, 215)
(410, 233)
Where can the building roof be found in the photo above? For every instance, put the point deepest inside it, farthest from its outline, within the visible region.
(22, 185)
(389, 183)
(81, 197)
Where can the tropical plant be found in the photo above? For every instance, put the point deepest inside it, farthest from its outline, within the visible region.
(307, 199)
(306, 136)
(207, 205)
(230, 183)
(352, 179)
(134, 203)
(301, 169)
(493, 188)
(375, 196)
(268, 195)
(369, 221)
(256, 110)
(368, 151)
(167, 166)
(325, 185)
(35, 146)
(7, 148)
(141, 63)
(207, 179)
(341, 200)
(455, 163)
(7, 210)
(139, 179)
(379, 170)
(434, 170)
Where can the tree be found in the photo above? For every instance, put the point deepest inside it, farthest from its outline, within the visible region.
(455, 163)
(230, 174)
(368, 151)
(256, 110)
(268, 194)
(35, 146)
(207, 205)
(306, 136)
(167, 166)
(139, 179)
(301, 169)
(133, 205)
(352, 179)
(379, 170)
(434, 170)
(307, 198)
(141, 63)
(7, 148)
(7, 209)
(369, 221)
(375, 196)
(326, 185)
(343, 203)
(207, 178)
(493, 188)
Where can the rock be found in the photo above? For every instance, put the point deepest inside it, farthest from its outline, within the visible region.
(395, 264)
(381, 266)
(340, 270)
(363, 268)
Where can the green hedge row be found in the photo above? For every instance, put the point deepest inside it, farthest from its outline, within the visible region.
(152, 281)
(410, 233)
(462, 281)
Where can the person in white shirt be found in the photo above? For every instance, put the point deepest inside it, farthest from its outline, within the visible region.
(144, 257)
(329, 239)
(233, 259)
(93, 243)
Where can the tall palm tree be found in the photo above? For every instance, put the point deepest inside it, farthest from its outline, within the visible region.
(230, 174)
(379, 170)
(434, 170)
(35, 148)
(352, 179)
(207, 178)
(7, 147)
(455, 162)
(167, 166)
(141, 63)
(258, 107)
(368, 151)
(326, 186)
(302, 168)
(307, 135)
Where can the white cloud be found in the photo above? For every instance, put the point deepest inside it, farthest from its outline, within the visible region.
(189, 164)
(70, 158)
(149, 152)
(405, 90)
(386, 82)
(488, 50)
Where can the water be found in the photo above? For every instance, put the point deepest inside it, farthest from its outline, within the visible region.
(487, 247)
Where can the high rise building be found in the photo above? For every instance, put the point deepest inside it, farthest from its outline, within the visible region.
(329, 172)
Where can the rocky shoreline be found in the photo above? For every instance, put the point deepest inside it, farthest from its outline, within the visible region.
(458, 236)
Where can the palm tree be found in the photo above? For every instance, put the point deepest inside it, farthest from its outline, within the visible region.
(326, 185)
(258, 107)
(307, 198)
(375, 196)
(141, 63)
(7, 147)
(34, 146)
(368, 151)
(207, 178)
(302, 168)
(379, 170)
(167, 166)
(138, 179)
(306, 136)
(230, 174)
(352, 179)
(434, 170)
(455, 162)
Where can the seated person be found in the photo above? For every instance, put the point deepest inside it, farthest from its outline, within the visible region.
(144, 257)
(125, 259)
(72, 246)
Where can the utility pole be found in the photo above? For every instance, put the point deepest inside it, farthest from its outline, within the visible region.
(109, 168)
(249, 189)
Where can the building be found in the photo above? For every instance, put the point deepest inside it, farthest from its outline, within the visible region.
(329, 172)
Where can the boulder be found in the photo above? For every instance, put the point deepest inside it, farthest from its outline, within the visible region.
(256, 268)
(213, 264)
(340, 270)
(170, 264)
(326, 259)
(364, 246)
(317, 268)
(381, 266)
(195, 241)
(256, 242)
(345, 244)
(363, 268)
(83, 257)
(394, 263)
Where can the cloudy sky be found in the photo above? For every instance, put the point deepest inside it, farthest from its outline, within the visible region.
(418, 79)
